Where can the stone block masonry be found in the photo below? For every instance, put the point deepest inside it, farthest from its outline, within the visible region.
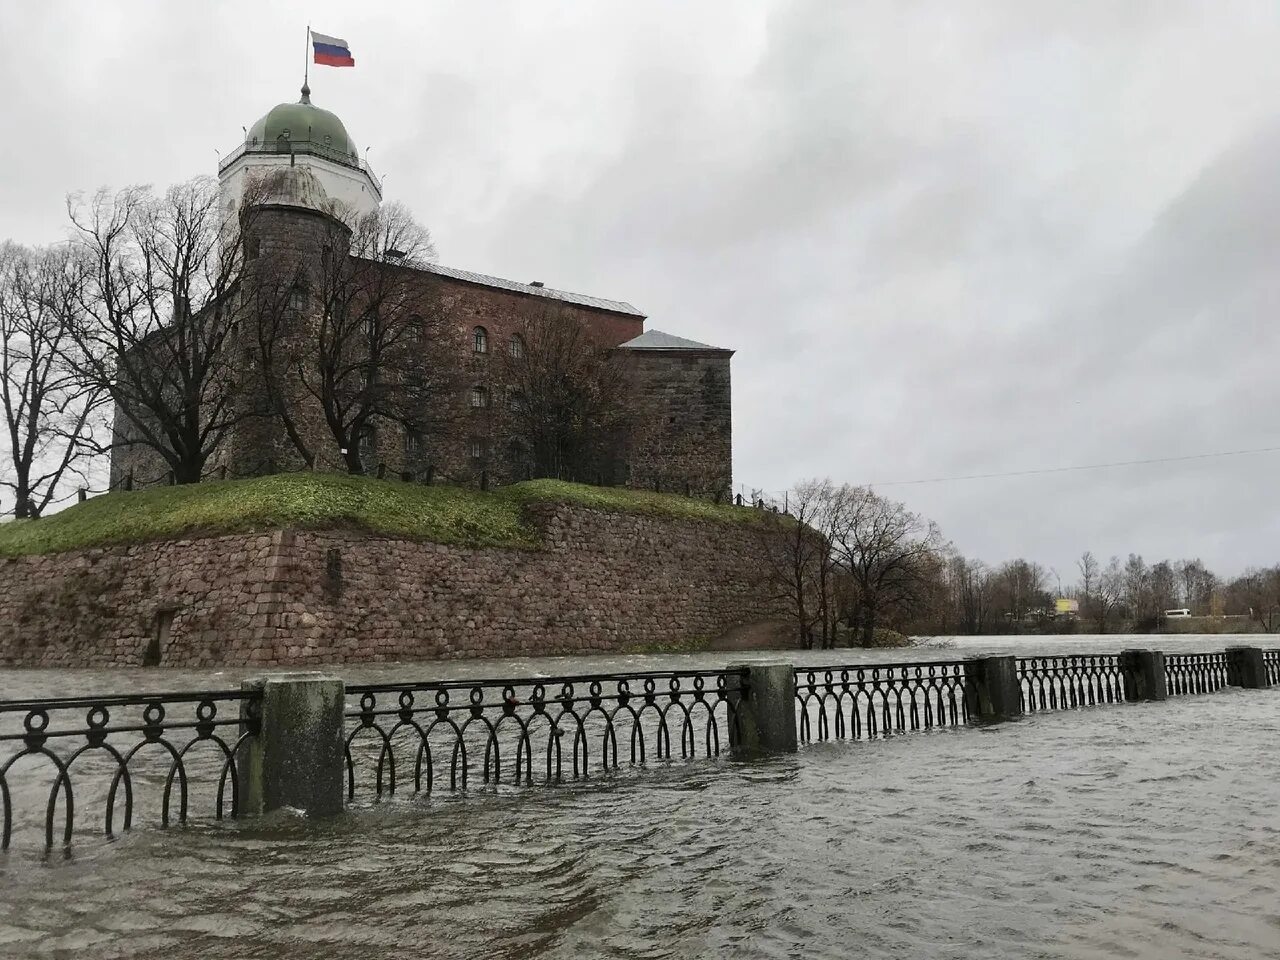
(599, 582)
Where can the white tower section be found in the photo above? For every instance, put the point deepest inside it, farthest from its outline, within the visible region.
(301, 134)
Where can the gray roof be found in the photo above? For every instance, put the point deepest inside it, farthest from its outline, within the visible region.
(599, 303)
(657, 340)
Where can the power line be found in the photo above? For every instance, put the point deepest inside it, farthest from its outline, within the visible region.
(1088, 466)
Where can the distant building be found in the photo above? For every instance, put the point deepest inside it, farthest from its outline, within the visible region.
(680, 390)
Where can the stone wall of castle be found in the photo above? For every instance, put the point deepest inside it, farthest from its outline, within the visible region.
(685, 444)
(600, 582)
(680, 399)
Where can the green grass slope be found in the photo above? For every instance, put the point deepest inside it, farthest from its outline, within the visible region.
(309, 501)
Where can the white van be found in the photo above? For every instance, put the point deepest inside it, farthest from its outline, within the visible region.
(1180, 612)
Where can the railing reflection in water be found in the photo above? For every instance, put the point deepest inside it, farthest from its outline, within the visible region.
(1063, 683)
(865, 701)
(1190, 673)
(438, 735)
(63, 755)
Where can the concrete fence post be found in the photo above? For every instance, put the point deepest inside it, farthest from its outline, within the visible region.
(1143, 674)
(1246, 667)
(993, 688)
(297, 758)
(767, 711)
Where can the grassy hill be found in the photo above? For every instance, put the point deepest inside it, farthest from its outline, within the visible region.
(439, 514)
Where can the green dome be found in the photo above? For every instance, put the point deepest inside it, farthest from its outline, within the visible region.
(302, 122)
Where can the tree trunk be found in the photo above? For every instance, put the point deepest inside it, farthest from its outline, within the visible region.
(868, 626)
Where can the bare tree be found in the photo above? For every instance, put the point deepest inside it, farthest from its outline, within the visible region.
(352, 337)
(1163, 587)
(1089, 574)
(887, 551)
(49, 411)
(1198, 585)
(567, 413)
(972, 583)
(797, 551)
(1109, 594)
(1020, 585)
(1137, 589)
(156, 316)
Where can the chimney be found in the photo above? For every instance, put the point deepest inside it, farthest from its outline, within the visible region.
(536, 283)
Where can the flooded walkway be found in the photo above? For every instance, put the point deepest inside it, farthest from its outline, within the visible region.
(1136, 830)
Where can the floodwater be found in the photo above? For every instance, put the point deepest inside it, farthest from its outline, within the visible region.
(1137, 830)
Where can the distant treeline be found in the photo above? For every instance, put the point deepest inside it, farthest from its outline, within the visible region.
(853, 562)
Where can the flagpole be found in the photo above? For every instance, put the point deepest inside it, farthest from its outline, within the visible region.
(306, 59)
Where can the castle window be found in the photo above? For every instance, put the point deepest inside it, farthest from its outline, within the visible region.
(368, 444)
(516, 347)
(513, 399)
(296, 298)
(479, 397)
(412, 445)
(481, 338)
(417, 329)
(479, 448)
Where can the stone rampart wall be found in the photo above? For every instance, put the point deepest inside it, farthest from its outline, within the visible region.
(600, 582)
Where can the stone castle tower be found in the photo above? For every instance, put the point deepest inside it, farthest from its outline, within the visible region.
(315, 186)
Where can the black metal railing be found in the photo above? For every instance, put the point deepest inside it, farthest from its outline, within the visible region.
(1271, 658)
(865, 701)
(1189, 673)
(506, 730)
(86, 752)
(1063, 683)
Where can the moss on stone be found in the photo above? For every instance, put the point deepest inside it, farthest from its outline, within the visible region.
(310, 501)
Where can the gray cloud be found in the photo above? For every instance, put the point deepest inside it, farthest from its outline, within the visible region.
(945, 239)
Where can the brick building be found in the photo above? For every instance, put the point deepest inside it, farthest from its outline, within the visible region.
(677, 391)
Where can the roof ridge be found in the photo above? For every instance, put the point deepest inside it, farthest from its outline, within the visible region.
(654, 339)
(550, 293)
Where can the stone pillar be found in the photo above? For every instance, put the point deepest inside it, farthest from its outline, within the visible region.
(1247, 668)
(993, 688)
(1143, 673)
(297, 759)
(767, 711)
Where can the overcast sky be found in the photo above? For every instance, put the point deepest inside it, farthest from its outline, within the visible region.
(944, 238)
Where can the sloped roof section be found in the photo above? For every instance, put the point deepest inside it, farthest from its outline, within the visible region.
(564, 296)
(657, 340)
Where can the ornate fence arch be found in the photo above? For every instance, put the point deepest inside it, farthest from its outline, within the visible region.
(561, 727)
(67, 735)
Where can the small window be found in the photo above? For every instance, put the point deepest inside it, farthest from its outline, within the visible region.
(296, 298)
(479, 398)
(513, 399)
(479, 448)
(481, 338)
(368, 442)
(417, 329)
(516, 347)
(412, 444)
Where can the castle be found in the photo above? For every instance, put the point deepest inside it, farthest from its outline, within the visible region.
(677, 391)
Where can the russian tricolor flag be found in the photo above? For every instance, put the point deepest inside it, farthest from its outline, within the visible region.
(330, 51)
